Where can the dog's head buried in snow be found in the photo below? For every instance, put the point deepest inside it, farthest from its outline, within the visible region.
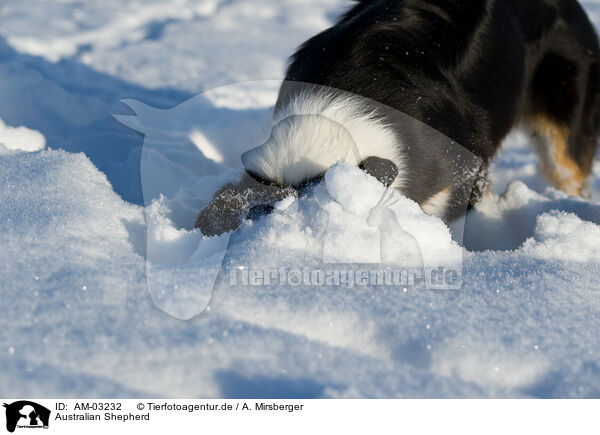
(314, 128)
(305, 141)
(420, 94)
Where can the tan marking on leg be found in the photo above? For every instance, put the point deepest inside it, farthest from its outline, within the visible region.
(438, 203)
(557, 165)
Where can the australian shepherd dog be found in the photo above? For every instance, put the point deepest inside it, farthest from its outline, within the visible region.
(472, 70)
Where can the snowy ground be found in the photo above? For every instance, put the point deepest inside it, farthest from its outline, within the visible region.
(79, 317)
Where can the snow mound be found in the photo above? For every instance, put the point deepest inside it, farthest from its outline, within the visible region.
(353, 197)
(565, 237)
(506, 221)
(332, 225)
(20, 138)
(62, 223)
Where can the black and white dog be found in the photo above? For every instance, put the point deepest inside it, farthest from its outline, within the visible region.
(470, 69)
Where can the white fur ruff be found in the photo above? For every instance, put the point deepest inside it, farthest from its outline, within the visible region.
(318, 129)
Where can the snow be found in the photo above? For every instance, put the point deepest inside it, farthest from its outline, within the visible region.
(106, 285)
(564, 236)
(505, 222)
(20, 138)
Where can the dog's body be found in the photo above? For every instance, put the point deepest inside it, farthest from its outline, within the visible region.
(470, 69)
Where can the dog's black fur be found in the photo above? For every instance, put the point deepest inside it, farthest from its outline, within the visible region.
(472, 70)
